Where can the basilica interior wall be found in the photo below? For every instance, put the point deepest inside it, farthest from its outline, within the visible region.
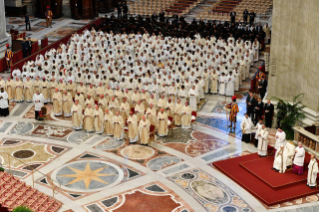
(294, 54)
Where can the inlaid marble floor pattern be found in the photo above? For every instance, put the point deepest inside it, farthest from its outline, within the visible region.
(95, 173)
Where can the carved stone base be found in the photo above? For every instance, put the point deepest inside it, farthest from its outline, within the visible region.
(13, 3)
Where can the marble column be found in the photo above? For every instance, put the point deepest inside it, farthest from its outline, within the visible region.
(3, 37)
(294, 53)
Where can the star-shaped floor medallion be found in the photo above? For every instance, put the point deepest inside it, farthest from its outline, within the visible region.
(87, 175)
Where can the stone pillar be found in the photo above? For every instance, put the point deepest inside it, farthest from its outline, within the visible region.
(294, 53)
(3, 37)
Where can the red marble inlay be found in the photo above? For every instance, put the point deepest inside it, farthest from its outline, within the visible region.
(141, 202)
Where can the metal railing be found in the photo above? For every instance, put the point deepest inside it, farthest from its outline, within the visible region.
(54, 187)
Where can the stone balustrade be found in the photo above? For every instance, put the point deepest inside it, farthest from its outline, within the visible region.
(310, 141)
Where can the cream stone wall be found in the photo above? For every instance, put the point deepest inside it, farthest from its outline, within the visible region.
(294, 54)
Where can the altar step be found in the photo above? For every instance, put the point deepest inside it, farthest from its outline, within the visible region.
(14, 192)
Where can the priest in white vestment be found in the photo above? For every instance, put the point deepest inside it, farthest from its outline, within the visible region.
(280, 138)
(312, 172)
(108, 123)
(281, 159)
(57, 103)
(258, 128)
(222, 82)
(89, 119)
(186, 116)
(299, 159)
(245, 127)
(118, 124)
(38, 100)
(132, 124)
(162, 123)
(4, 103)
(98, 120)
(263, 141)
(76, 111)
(151, 115)
(144, 131)
(67, 104)
(193, 94)
(230, 84)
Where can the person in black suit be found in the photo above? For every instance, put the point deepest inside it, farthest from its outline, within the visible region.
(259, 28)
(29, 42)
(232, 17)
(262, 87)
(24, 48)
(27, 22)
(269, 112)
(258, 110)
(252, 16)
(162, 16)
(154, 17)
(119, 10)
(250, 105)
(245, 15)
(125, 10)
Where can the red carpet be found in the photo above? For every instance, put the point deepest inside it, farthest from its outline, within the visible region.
(257, 187)
(260, 168)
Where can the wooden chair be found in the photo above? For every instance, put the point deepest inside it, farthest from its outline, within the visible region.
(43, 114)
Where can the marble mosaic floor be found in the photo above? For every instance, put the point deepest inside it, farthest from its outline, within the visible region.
(94, 173)
(60, 27)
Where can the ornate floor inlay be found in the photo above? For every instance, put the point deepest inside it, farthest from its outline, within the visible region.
(209, 192)
(154, 197)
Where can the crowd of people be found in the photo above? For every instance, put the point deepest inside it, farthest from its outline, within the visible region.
(108, 82)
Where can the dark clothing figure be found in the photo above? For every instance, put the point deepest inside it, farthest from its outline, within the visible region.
(258, 111)
(269, 112)
(162, 16)
(232, 17)
(250, 105)
(24, 49)
(27, 22)
(245, 15)
(262, 87)
(29, 47)
(252, 16)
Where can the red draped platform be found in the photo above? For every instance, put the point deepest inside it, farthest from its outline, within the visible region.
(255, 175)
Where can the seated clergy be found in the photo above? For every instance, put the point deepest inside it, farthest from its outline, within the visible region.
(262, 141)
(281, 159)
(312, 172)
(299, 159)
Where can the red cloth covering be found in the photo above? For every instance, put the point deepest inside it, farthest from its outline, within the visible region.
(3, 65)
(44, 42)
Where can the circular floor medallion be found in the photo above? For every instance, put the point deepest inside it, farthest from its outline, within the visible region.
(137, 152)
(88, 175)
(23, 154)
